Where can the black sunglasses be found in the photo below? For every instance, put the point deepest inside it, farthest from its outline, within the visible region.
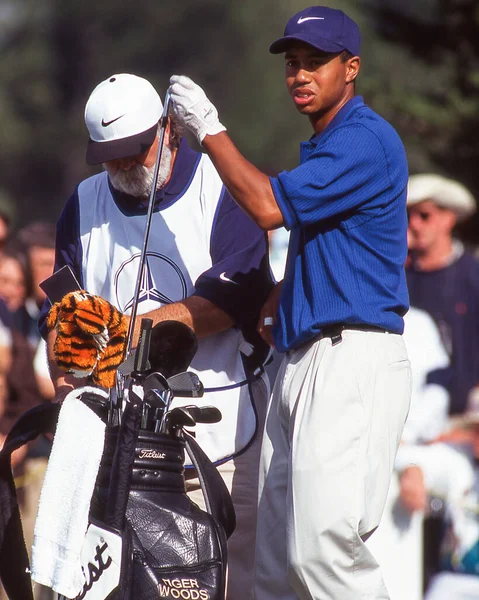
(424, 216)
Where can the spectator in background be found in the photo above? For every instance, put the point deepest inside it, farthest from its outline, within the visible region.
(15, 277)
(38, 241)
(5, 361)
(5, 227)
(17, 289)
(5, 364)
(459, 575)
(443, 278)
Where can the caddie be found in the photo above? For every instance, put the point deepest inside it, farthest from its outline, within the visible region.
(206, 266)
(342, 393)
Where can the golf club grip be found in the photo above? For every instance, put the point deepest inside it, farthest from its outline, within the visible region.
(143, 349)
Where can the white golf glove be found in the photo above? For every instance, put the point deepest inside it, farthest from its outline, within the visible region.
(192, 108)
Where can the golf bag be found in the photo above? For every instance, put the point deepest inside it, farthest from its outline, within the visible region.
(162, 544)
(170, 547)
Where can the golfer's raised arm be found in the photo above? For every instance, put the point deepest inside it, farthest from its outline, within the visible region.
(250, 188)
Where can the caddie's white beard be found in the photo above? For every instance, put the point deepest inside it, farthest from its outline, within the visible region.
(138, 180)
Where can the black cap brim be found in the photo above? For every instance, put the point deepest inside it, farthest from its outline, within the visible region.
(282, 44)
(100, 152)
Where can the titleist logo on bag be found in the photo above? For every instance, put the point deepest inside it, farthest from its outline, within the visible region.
(149, 453)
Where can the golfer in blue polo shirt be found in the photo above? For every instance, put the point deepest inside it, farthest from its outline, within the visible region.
(342, 392)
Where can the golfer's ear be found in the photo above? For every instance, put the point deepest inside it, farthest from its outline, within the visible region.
(352, 70)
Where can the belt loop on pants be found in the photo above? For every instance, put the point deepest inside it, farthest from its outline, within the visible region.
(335, 330)
(336, 338)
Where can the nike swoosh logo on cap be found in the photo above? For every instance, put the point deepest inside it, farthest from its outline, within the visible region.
(224, 278)
(303, 19)
(106, 123)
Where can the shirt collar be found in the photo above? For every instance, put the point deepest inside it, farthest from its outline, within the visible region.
(341, 116)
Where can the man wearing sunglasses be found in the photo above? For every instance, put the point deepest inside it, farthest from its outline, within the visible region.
(443, 278)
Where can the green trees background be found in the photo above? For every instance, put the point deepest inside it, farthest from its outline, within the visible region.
(420, 70)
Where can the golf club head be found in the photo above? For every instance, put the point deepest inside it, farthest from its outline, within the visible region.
(204, 414)
(155, 381)
(177, 418)
(186, 385)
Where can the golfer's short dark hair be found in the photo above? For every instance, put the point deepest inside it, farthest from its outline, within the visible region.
(345, 55)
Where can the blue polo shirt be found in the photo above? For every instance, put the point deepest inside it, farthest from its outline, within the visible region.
(345, 205)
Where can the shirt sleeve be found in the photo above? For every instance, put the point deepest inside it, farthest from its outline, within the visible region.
(67, 250)
(240, 278)
(345, 171)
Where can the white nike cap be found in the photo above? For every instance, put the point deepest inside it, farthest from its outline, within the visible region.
(122, 115)
(444, 192)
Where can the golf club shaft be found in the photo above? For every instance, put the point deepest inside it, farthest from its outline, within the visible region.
(134, 310)
(120, 379)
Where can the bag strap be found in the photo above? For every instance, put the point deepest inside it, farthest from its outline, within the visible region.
(217, 497)
(14, 563)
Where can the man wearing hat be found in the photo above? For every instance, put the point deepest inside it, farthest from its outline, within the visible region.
(342, 393)
(443, 278)
(206, 265)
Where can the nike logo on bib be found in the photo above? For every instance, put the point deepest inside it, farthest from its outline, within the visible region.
(303, 19)
(224, 278)
(106, 123)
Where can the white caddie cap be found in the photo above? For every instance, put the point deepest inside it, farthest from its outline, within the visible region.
(444, 192)
(122, 115)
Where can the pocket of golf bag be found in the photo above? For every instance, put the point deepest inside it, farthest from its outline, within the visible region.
(177, 550)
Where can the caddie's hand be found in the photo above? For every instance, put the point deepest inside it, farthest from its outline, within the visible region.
(192, 108)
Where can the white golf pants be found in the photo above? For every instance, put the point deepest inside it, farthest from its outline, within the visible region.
(332, 430)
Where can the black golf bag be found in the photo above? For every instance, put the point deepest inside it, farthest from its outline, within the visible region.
(170, 547)
(146, 538)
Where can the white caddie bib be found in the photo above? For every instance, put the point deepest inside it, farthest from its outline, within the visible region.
(178, 253)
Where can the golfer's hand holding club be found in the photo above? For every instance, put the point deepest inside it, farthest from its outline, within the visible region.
(193, 109)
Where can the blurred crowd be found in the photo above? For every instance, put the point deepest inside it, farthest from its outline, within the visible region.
(26, 259)
(428, 542)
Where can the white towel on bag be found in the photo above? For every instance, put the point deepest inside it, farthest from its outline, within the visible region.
(64, 505)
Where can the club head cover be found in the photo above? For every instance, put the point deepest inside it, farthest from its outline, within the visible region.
(172, 347)
(91, 336)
